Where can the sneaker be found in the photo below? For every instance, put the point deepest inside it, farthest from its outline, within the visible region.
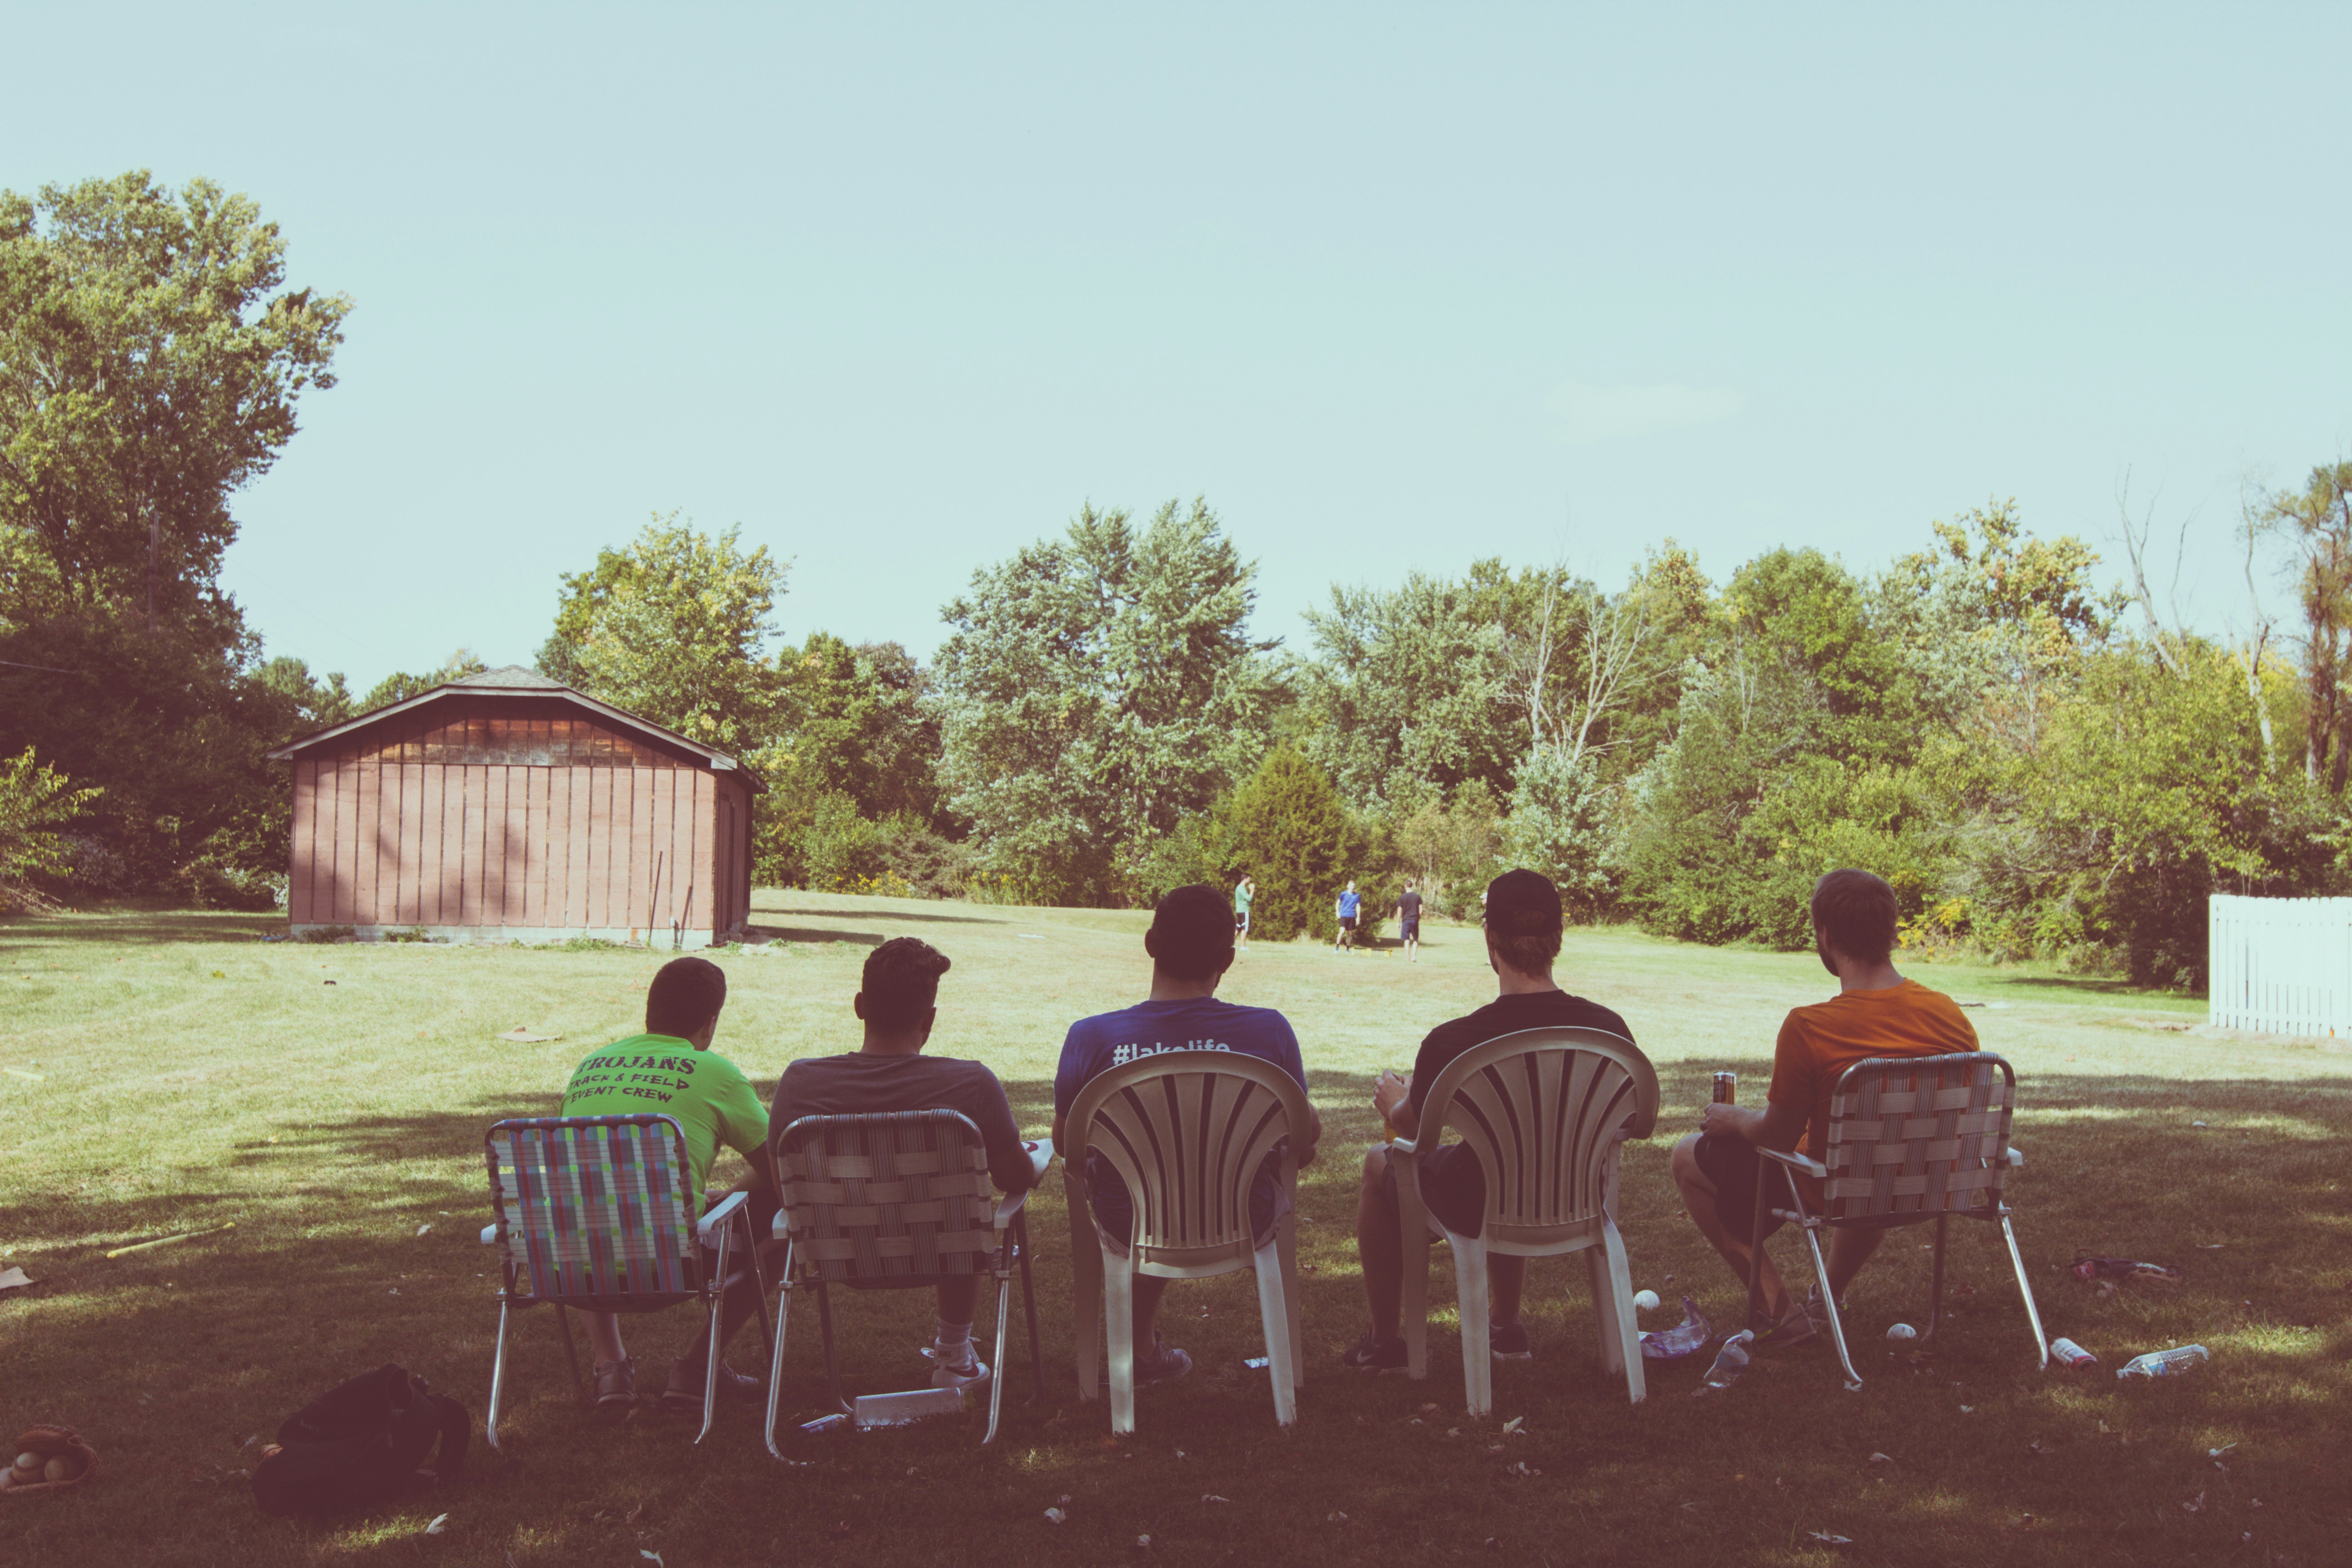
(617, 1387)
(1801, 1326)
(970, 1371)
(685, 1390)
(1509, 1342)
(1376, 1355)
(1164, 1365)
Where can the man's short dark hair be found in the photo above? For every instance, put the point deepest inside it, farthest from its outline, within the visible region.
(685, 995)
(902, 982)
(1523, 920)
(1191, 934)
(1855, 912)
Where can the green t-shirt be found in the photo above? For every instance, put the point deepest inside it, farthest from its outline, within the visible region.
(707, 1093)
(1242, 896)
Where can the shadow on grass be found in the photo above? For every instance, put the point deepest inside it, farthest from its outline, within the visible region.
(811, 934)
(866, 914)
(155, 929)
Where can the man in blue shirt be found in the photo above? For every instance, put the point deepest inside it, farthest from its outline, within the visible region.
(1348, 907)
(1192, 944)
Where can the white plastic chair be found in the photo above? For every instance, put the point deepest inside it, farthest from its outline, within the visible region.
(1187, 1131)
(1545, 1112)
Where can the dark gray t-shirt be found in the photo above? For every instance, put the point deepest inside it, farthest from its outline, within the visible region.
(860, 1084)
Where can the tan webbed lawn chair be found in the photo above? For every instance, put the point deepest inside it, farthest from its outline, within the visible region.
(1187, 1131)
(898, 1201)
(1546, 1112)
(595, 1213)
(1911, 1139)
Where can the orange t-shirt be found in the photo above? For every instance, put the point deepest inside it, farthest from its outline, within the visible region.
(1819, 1043)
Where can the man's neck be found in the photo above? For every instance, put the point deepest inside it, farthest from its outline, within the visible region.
(891, 1043)
(1880, 976)
(1515, 984)
(1166, 987)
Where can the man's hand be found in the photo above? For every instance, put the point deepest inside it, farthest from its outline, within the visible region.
(1389, 1090)
(1729, 1121)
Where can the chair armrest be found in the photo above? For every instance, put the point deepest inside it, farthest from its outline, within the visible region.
(1009, 1204)
(1796, 1162)
(1041, 1155)
(706, 1229)
(2016, 1155)
(490, 1235)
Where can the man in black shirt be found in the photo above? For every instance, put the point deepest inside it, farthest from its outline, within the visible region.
(1523, 931)
(1408, 919)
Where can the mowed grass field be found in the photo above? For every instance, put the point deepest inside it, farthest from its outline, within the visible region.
(172, 1072)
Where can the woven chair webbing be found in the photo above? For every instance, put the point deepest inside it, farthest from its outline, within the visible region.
(1189, 1145)
(887, 1197)
(596, 1206)
(1543, 1124)
(1916, 1139)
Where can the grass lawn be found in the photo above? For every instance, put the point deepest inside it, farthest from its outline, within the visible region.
(331, 1102)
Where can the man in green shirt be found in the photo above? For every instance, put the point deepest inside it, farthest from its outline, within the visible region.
(671, 1069)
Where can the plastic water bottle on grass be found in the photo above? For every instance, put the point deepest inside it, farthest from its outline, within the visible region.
(1730, 1361)
(2165, 1363)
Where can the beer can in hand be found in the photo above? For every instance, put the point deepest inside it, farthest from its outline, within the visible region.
(1727, 1087)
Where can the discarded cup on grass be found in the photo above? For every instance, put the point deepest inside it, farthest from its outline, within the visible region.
(2088, 1269)
(1730, 1361)
(2066, 1353)
(1685, 1338)
(2165, 1363)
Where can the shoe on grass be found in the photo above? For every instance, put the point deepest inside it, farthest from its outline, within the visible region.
(617, 1387)
(1509, 1342)
(1376, 1355)
(1799, 1326)
(970, 1372)
(685, 1390)
(1164, 1365)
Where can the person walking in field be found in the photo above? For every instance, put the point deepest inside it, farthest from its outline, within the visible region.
(1347, 908)
(1244, 891)
(1192, 945)
(898, 1003)
(1408, 919)
(672, 1069)
(1524, 923)
(1876, 1013)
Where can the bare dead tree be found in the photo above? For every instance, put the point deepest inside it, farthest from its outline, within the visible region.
(2165, 639)
(2250, 648)
(1615, 631)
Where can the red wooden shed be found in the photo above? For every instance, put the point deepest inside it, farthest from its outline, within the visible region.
(507, 806)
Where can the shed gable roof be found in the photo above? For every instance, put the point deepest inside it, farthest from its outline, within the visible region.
(515, 681)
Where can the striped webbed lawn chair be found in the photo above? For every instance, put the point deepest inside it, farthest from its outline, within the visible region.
(1911, 1140)
(1546, 1112)
(595, 1213)
(896, 1201)
(1187, 1131)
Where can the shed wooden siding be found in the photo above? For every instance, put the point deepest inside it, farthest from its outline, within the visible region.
(527, 816)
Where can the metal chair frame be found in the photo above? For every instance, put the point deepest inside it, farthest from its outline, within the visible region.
(1187, 1131)
(657, 1202)
(1948, 1157)
(1007, 1221)
(1545, 1113)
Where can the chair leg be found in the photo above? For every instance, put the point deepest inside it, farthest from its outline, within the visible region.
(1287, 1245)
(996, 1368)
(2025, 1289)
(1086, 1281)
(832, 1356)
(1828, 1304)
(1118, 1322)
(1029, 1305)
(1756, 1318)
(1618, 1312)
(1412, 1296)
(580, 1391)
(1596, 1273)
(1935, 1282)
(711, 1349)
(498, 1373)
(1474, 1298)
(1274, 1318)
(776, 1353)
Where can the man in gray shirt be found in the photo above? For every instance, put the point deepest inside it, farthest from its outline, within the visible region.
(898, 1003)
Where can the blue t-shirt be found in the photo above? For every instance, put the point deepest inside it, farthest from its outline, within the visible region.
(1150, 1029)
(1348, 903)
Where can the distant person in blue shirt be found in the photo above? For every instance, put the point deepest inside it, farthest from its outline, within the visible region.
(1348, 907)
(1192, 944)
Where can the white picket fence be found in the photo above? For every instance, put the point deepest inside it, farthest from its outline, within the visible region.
(2283, 966)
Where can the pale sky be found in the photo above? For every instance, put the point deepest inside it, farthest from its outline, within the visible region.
(899, 288)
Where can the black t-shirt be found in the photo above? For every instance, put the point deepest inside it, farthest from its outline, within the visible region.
(1506, 1015)
(1409, 905)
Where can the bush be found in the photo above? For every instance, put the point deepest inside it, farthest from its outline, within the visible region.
(1558, 825)
(1286, 827)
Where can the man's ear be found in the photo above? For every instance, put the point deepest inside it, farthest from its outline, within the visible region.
(1152, 940)
(1225, 963)
(931, 1017)
(857, 1006)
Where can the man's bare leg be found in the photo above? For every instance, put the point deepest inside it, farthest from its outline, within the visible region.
(1507, 1281)
(605, 1337)
(1849, 1250)
(1379, 1247)
(1698, 1200)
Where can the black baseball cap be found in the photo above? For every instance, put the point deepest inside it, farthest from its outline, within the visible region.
(1522, 903)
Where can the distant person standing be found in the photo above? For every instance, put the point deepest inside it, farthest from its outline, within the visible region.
(1408, 919)
(1244, 891)
(1348, 907)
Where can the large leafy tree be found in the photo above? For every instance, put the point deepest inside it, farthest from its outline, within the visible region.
(1095, 690)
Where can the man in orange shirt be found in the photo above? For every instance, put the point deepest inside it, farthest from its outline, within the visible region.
(1876, 1013)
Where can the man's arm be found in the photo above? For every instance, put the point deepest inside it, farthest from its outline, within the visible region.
(1777, 1126)
(1392, 1097)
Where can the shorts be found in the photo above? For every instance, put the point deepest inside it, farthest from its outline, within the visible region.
(1241, 923)
(1453, 1186)
(1347, 922)
(1734, 1167)
(1409, 931)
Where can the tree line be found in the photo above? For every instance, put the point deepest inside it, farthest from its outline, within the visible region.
(2040, 766)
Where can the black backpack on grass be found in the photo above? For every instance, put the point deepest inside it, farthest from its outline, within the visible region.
(361, 1446)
